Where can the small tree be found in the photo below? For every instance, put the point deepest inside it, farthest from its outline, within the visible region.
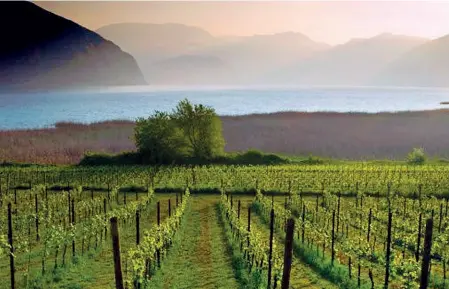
(158, 140)
(416, 156)
(189, 131)
(201, 127)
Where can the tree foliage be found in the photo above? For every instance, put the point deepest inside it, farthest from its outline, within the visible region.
(190, 131)
(416, 157)
(201, 127)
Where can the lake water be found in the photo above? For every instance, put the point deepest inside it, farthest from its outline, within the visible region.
(44, 109)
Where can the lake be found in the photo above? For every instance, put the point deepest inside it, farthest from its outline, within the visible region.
(44, 109)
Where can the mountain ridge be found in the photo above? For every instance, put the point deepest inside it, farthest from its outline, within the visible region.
(278, 58)
(45, 50)
(241, 55)
(426, 65)
(353, 63)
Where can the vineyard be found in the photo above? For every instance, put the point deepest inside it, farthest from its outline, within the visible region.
(292, 226)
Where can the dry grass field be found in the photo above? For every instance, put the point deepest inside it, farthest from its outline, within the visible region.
(326, 134)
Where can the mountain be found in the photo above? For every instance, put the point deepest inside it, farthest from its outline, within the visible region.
(192, 70)
(156, 41)
(255, 56)
(151, 43)
(231, 59)
(356, 62)
(425, 65)
(43, 50)
(176, 54)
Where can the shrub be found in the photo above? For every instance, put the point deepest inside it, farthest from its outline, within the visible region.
(103, 159)
(416, 157)
(312, 160)
(255, 157)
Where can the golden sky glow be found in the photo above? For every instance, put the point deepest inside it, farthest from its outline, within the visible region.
(331, 22)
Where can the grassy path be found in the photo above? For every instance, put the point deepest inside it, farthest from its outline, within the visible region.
(199, 258)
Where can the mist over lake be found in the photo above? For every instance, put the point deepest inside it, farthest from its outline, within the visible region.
(44, 109)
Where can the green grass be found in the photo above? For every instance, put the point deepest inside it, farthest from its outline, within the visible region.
(245, 278)
(199, 257)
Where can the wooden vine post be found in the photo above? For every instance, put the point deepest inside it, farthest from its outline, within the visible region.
(69, 203)
(388, 251)
(303, 222)
(238, 210)
(333, 239)
(418, 242)
(37, 217)
(158, 251)
(1, 194)
(105, 212)
(270, 252)
(338, 211)
(116, 251)
(137, 227)
(288, 253)
(249, 222)
(427, 255)
(169, 208)
(11, 249)
(369, 224)
(73, 223)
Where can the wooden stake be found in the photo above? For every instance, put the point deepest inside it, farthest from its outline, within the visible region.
(419, 238)
(37, 217)
(11, 249)
(116, 251)
(427, 255)
(270, 252)
(333, 239)
(137, 227)
(388, 251)
(288, 253)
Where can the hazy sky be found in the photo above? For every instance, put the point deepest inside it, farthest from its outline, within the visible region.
(331, 22)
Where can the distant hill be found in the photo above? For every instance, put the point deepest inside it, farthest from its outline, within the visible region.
(42, 50)
(151, 43)
(192, 70)
(255, 56)
(179, 54)
(243, 59)
(356, 62)
(425, 65)
(156, 41)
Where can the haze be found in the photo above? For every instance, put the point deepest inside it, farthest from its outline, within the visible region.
(330, 22)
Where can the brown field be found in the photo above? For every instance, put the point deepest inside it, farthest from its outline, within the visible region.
(337, 135)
